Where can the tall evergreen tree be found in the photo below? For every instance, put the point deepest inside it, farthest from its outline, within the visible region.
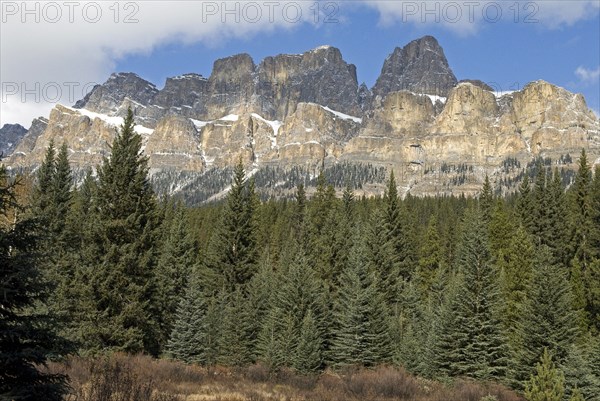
(398, 225)
(547, 321)
(486, 200)
(525, 204)
(177, 256)
(298, 293)
(27, 337)
(232, 255)
(472, 342)
(581, 214)
(360, 331)
(120, 305)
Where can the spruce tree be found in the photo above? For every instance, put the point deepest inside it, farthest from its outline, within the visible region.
(548, 382)
(472, 341)
(298, 292)
(486, 200)
(525, 204)
(187, 340)
(430, 260)
(381, 257)
(27, 336)
(582, 228)
(579, 372)
(360, 329)
(232, 254)
(400, 229)
(547, 320)
(43, 189)
(120, 300)
(177, 256)
(309, 352)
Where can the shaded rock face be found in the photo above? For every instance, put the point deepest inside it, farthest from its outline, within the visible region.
(107, 98)
(27, 144)
(420, 66)
(319, 76)
(10, 136)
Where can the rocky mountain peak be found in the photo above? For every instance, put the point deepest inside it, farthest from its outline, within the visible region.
(420, 66)
(10, 136)
(107, 98)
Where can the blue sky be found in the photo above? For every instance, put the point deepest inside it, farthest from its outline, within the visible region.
(167, 38)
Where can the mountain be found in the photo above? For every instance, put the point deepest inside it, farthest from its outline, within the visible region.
(290, 116)
(10, 136)
(420, 66)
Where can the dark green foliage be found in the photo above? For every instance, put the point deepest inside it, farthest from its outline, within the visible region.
(296, 310)
(579, 373)
(360, 332)
(27, 336)
(486, 200)
(547, 320)
(232, 255)
(177, 255)
(118, 306)
(472, 341)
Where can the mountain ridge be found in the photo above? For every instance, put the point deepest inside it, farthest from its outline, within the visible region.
(308, 111)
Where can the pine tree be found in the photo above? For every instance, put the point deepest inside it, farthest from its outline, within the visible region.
(236, 329)
(540, 206)
(360, 332)
(576, 395)
(42, 191)
(399, 227)
(515, 264)
(119, 310)
(548, 382)
(187, 340)
(27, 337)
(62, 181)
(472, 341)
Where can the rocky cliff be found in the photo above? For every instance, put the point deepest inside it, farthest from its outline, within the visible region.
(10, 136)
(420, 66)
(307, 112)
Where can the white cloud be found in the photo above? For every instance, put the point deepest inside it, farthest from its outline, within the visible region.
(75, 52)
(467, 17)
(588, 76)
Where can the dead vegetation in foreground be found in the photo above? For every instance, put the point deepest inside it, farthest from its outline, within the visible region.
(141, 378)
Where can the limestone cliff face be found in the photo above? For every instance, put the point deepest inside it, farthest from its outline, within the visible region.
(175, 144)
(313, 135)
(88, 139)
(308, 110)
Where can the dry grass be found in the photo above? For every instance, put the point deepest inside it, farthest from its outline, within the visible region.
(141, 378)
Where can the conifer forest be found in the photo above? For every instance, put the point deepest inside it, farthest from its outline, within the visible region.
(497, 291)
